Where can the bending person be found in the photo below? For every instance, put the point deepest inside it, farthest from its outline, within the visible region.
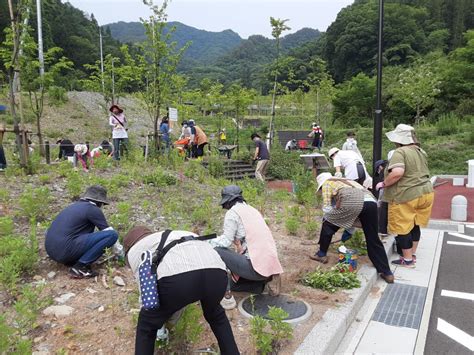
(344, 201)
(71, 239)
(254, 260)
(189, 272)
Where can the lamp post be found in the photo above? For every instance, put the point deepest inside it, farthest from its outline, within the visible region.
(378, 123)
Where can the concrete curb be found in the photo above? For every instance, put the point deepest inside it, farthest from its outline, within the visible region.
(327, 334)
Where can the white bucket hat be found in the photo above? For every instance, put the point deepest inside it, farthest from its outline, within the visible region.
(80, 148)
(402, 134)
(322, 178)
(332, 151)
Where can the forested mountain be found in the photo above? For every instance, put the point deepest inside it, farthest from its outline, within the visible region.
(205, 45)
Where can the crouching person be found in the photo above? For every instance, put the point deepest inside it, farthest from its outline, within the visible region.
(71, 239)
(188, 272)
(254, 261)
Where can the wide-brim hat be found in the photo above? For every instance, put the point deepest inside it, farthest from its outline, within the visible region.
(402, 134)
(80, 148)
(96, 193)
(322, 178)
(332, 151)
(134, 235)
(230, 193)
(117, 107)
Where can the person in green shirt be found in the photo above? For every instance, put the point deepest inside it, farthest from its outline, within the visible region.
(408, 192)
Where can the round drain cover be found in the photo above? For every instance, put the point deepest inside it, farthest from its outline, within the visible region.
(297, 310)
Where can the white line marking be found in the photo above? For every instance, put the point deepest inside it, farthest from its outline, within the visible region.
(456, 294)
(456, 334)
(459, 235)
(461, 243)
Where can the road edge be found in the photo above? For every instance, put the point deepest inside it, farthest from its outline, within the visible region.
(327, 334)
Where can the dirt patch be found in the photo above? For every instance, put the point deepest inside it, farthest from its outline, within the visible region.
(104, 316)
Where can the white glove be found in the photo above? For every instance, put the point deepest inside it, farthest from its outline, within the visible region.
(118, 250)
(338, 174)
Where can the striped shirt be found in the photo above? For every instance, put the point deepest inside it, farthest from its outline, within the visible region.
(184, 257)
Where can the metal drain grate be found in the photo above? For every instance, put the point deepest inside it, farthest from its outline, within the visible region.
(401, 306)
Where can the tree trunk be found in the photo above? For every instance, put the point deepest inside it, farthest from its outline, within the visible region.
(40, 136)
(272, 119)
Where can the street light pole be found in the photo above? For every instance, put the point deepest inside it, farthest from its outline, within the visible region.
(101, 61)
(378, 123)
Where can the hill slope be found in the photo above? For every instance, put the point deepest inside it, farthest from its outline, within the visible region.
(206, 46)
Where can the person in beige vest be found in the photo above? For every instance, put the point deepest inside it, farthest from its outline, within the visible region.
(197, 140)
(247, 248)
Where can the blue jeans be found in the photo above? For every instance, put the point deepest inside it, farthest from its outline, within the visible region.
(94, 245)
(119, 145)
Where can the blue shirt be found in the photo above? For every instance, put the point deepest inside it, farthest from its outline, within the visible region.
(62, 238)
(164, 130)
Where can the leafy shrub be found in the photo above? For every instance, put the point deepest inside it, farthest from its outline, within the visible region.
(195, 170)
(18, 255)
(74, 184)
(44, 179)
(284, 165)
(305, 188)
(159, 178)
(292, 225)
(6, 226)
(10, 342)
(121, 220)
(357, 242)
(57, 95)
(215, 166)
(102, 162)
(27, 307)
(311, 228)
(269, 335)
(331, 280)
(34, 202)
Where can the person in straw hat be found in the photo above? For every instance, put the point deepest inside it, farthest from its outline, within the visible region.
(72, 240)
(119, 124)
(408, 191)
(345, 201)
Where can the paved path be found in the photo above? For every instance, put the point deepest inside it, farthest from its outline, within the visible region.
(451, 325)
(443, 195)
(391, 318)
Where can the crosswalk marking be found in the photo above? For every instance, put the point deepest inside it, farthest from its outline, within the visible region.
(461, 243)
(463, 236)
(456, 334)
(456, 294)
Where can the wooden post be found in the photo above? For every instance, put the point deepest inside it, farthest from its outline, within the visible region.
(146, 148)
(47, 152)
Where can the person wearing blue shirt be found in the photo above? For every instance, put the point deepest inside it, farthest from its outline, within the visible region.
(165, 133)
(72, 240)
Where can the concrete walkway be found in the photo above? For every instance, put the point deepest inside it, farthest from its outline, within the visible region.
(393, 315)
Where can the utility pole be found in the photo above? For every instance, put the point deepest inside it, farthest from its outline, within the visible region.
(101, 61)
(378, 123)
(113, 83)
(40, 38)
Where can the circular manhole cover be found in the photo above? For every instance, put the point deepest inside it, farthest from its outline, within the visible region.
(297, 310)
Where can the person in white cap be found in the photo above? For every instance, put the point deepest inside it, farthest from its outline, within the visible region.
(408, 191)
(349, 161)
(344, 201)
(83, 155)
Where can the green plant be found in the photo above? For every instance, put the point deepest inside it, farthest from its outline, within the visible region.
(27, 307)
(292, 225)
(284, 165)
(331, 280)
(159, 178)
(447, 124)
(270, 334)
(44, 179)
(187, 330)
(215, 166)
(305, 188)
(34, 203)
(74, 184)
(18, 255)
(311, 228)
(357, 242)
(57, 95)
(6, 226)
(10, 342)
(121, 219)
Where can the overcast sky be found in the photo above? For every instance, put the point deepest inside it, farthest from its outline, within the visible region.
(246, 17)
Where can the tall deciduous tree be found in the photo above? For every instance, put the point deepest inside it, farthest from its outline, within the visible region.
(36, 84)
(161, 59)
(278, 27)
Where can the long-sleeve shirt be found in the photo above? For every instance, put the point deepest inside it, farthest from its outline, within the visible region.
(234, 231)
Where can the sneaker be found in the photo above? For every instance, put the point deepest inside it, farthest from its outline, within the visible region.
(402, 262)
(228, 303)
(274, 285)
(321, 259)
(388, 278)
(82, 272)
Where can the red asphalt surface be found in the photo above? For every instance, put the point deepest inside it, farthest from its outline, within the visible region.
(442, 202)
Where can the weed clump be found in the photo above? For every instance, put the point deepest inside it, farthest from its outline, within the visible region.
(331, 280)
(34, 203)
(269, 335)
